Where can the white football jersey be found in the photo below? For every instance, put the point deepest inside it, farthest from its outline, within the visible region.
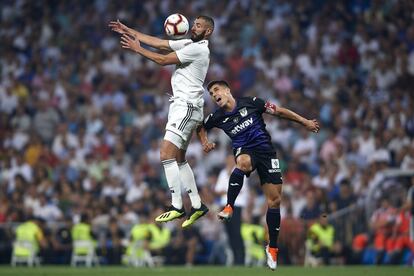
(188, 78)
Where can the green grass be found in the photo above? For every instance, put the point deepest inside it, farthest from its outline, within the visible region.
(207, 271)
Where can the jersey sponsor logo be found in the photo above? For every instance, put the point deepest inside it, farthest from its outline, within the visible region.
(243, 112)
(225, 120)
(242, 126)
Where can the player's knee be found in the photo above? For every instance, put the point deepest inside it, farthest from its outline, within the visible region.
(244, 164)
(165, 155)
(168, 151)
(245, 167)
(274, 201)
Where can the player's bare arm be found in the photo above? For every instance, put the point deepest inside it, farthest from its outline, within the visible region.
(134, 44)
(149, 40)
(202, 136)
(311, 125)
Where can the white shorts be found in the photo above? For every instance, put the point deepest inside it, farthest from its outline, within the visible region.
(183, 118)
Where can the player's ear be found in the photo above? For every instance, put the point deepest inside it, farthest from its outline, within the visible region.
(209, 31)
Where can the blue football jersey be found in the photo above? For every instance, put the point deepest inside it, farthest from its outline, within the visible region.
(244, 125)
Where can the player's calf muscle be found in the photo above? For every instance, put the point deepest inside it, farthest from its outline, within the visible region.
(273, 195)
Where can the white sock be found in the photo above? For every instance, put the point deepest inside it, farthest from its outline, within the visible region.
(172, 173)
(188, 180)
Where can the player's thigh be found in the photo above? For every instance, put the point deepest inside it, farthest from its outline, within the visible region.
(183, 118)
(188, 126)
(267, 166)
(168, 148)
(268, 169)
(179, 113)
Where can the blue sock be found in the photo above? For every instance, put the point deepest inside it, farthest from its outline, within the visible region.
(273, 223)
(235, 185)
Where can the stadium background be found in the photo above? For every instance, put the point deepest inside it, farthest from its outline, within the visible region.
(81, 119)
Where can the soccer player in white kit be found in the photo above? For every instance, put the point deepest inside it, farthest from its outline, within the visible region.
(191, 57)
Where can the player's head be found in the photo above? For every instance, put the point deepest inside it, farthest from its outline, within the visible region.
(202, 28)
(220, 92)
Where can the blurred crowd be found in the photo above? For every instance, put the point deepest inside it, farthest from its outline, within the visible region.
(81, 119)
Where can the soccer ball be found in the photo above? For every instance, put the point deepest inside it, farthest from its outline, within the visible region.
(176, 25)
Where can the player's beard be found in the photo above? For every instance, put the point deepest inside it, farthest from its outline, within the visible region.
(198, 37)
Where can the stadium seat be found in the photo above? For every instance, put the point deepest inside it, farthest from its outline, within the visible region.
(310, 259)
(84, 252)
(137, 256)
(24, 252)
(369, 256)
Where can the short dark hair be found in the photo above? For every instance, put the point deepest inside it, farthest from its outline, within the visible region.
(219, 82)
(208, 19)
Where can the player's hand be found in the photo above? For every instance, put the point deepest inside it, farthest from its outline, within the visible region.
(207, 147)
(312, 125)
(129, 42)
(118, 27)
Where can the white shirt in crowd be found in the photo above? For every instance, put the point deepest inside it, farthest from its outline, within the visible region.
(366, 146)
(306, 144)
(48, 212)
(222, 186)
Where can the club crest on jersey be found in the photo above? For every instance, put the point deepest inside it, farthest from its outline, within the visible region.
(243, 112)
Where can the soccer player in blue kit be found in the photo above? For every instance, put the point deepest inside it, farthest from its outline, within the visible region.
(242, 121)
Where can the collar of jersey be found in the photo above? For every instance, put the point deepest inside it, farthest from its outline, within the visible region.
(231, 112)
(206, 40)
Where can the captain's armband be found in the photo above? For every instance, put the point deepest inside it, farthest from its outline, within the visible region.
(270, 108)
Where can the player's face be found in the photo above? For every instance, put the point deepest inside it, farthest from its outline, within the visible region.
(220, 94)
(198, 30)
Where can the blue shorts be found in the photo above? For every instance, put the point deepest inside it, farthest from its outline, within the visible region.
(265, 162)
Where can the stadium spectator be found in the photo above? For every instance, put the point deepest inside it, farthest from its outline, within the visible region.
(321, 240)
(31, 232)
(234, 225)
(312, 210)
(382, 222)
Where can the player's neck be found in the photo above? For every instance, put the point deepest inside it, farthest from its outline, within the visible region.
(230, 106)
